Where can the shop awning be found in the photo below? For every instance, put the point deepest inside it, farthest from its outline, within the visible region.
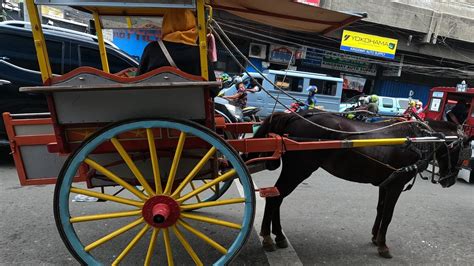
(288, 14)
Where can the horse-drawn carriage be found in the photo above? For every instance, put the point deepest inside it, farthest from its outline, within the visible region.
(151, 166)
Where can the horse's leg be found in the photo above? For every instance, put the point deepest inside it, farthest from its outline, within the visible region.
(285, 189)
(391, 196)
(378, 218)
(267, 242)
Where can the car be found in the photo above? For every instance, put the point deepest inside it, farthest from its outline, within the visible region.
(67, 50)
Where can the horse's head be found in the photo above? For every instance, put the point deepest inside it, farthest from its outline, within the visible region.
(450, 157)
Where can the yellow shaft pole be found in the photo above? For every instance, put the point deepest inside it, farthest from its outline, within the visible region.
(100, 39)
(201, 17)
(40, 43)
(377, 142)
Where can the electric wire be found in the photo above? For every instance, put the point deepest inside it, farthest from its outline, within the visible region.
(221, 31)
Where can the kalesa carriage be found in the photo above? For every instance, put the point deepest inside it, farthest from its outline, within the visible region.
(162, 175)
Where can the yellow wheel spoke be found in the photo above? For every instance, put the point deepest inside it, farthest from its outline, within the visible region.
(194, 172)
(154, 160)
(174, 165)
(88, 218)
(132, 166)
(212, 188)
(210, 220)
(187, 246)
(206, 239)
(131, 245)
(169, 252)
(151, 246)
(189, 207)
(221, 178)
(115, 178)
(194, 188)
(106, 197)
(113, 234)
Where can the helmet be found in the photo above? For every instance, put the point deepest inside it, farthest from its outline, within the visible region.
(374, 98)
(412, 103)
(419, 103)
(312, 89)
(225, 77)
(238, 79)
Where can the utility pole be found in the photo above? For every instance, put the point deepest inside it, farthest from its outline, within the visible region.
(2, 12)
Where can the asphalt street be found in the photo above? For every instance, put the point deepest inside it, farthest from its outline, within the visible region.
(327, 221)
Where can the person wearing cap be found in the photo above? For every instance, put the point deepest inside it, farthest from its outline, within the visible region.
(419, 110)
(177, 46)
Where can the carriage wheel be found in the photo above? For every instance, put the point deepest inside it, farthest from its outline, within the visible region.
(160, 222)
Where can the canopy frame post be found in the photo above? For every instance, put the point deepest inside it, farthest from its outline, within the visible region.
(201, 27)
(100, 40)
(40, 43)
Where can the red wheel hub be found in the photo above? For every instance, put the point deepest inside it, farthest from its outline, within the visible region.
(161, 211)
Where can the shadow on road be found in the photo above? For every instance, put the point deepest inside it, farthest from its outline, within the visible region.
(5, 157)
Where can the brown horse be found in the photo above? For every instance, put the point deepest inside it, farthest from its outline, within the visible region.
(388, 167)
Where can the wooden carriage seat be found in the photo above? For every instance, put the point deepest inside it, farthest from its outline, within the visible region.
(88, 95)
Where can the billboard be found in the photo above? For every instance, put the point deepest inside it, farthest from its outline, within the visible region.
(368, 44)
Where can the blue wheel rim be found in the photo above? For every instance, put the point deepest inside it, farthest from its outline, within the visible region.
(71, 166)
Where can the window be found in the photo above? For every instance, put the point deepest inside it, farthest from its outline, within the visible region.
(435, 104)
(249, 83)
(387, 103)
(20, 51)
(403, 104)
(91, 57)
(288, 83)
(325, 87)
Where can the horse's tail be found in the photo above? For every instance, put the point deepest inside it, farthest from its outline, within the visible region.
(275, 123)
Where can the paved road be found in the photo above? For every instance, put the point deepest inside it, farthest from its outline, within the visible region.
(327, 221)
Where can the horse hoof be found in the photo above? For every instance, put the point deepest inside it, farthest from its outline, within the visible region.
(268, 244)
(281, 243)
(385, 253)
(374, 241)
(269, 247)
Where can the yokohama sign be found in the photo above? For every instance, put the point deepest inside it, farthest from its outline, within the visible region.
(308, 2)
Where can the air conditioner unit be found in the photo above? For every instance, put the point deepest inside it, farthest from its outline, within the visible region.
(258, 50)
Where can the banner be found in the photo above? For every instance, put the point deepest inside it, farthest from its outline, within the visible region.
(368, 44)
(280, 54)
(353, 83)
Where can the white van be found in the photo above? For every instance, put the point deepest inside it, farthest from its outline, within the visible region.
(295, 84)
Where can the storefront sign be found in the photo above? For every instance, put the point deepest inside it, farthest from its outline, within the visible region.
(282, 54)
(368, 44)
(133, 41)
(309, 2)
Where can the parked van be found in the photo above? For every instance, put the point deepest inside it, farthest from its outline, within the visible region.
(67, 50)
(295, 84)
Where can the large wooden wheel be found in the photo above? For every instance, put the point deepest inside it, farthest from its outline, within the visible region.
(158, 217)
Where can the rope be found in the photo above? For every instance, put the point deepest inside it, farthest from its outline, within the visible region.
(218, 35)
